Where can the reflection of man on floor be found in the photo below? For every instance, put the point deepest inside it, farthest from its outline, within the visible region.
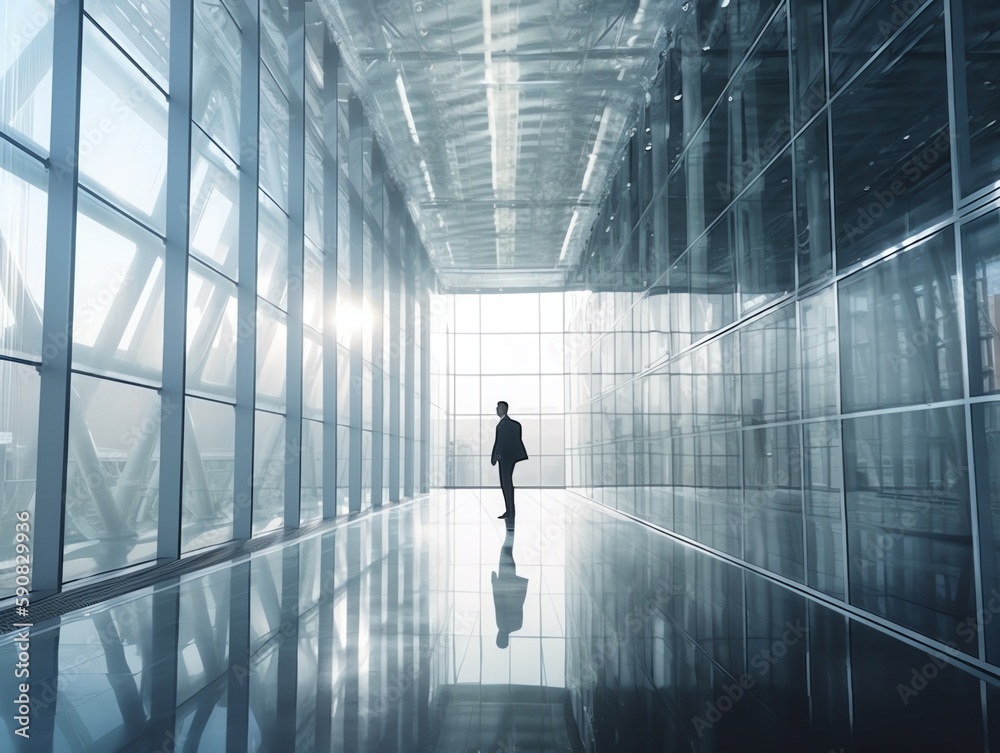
(509, 590)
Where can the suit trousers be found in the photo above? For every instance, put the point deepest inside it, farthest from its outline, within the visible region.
(507, 485)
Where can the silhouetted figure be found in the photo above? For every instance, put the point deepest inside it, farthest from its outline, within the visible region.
(509, 590)
(508, 449)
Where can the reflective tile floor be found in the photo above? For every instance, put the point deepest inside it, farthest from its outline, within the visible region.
(433, 627)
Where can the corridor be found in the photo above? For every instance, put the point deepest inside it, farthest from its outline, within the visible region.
(382, 635)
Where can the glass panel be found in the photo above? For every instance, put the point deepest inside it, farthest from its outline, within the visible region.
(814, 244)
(343, 388)
(509, 313)
(981, 249)
(808, 56)
(764, 236)
(770, 369)
(772, 510)
(757, 101)
(209, 460)
(466, 356)
(26, 69)
(312, 376)
(858, 29)
(272, 344)
(272, 253)
(552, 354)
(520, 392)
(215, 86)
(892, 145)
(269, 459)
(986, 438)
(212, 333)
(899, 330)
(313, 304)
(23, 217)
(821, 475)
(312, 471)
(510, 354)
(142, 29)
(819, 354)
(274, 133)
(112, 480)
(551, 312)
(18, 461)
(273, 39)
(982, 85)
(214, 206)
(908, 520)
(123, 130)
(117, 295)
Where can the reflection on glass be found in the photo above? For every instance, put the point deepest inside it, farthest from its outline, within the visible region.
(817, 317)
(764, 236)
(814, 248)
(215, 85)
(821, 477)
(209, 459)
(112, 489)
(269, 463)
(899, 334)
(23, 213)
(123, 130)
(214, 215)
(212, 332)
(26, 100)
(891, 143)
(117, 296)
(142, 29)
(18, 459)
(274, 134)
(981, 249)
(272, 345)
(908, 519)
(312, 471)
(981, 166)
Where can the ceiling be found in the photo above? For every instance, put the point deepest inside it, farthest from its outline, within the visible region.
(501, 120)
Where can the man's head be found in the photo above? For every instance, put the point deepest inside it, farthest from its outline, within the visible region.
(502, 408)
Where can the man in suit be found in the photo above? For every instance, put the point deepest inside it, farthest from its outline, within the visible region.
(508, 449)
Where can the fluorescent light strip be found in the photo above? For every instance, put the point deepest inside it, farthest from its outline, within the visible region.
(401, 88)
(597, 143)
(569, 232)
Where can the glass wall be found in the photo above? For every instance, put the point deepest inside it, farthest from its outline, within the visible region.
(174, 185)
(787, 346)
(489, 348)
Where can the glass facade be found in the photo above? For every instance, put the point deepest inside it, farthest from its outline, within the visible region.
(787, 347)
(210, 356)
(488, 348)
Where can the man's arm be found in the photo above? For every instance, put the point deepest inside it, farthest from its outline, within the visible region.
(496, 441)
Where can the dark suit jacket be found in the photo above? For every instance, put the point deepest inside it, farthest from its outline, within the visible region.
(508, 446)
(509, 592)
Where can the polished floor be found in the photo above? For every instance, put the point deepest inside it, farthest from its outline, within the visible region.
(434, 627)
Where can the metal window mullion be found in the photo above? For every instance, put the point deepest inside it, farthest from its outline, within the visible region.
(425, 394)
(175, 278)
(407, 254)
(331, 126)
(378, 318)
(355, 158)
(296, 263)
(246, 347)
(57, 315)
(394, 355)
